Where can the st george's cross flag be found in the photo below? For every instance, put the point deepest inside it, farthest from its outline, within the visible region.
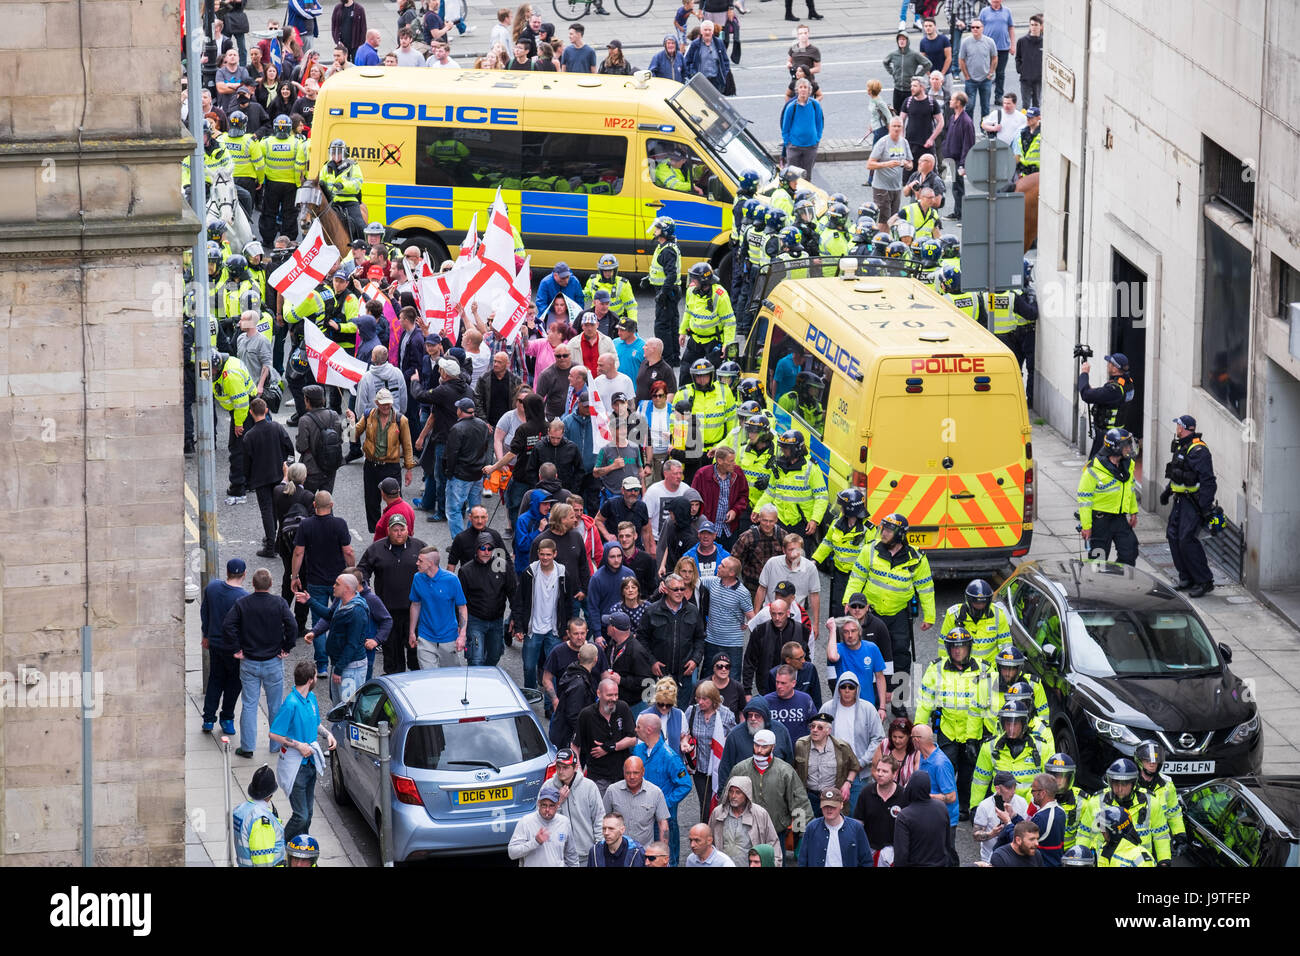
(306, 268)
(328, 362)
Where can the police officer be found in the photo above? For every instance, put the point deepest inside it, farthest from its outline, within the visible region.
(669, 173)
(737, 437)
(1025, 692)
(896, 253)
(708, 321)
(951, 253)
(798, 487)
(232, 295)
(869, 210)
(833, 240)
(761, 250)
(1008, 670)
(729, 376)
(233, 389)
(792, 251)
(246, 154)
(303, 850)
(805, 221)
(284, 163)
(1150, 757)
(1009, 312)
(922, 215)
(843, 543)
(1146, 814)
(342, 181)
(1108, 509)
(1109, 401)
(1025, 307)
(622, 301)
(1027, 145)
(927, 253)
(987, 622)
(782, 197)
(742, 276)
(1013, 750)
(889, 571)
(971, 304)
(807, 400)
(863, 234)
(711, 403)
(1192, 486)
(1120, 843)
(952, 697)
(1069, 797)
(755, 458)
(665, 277)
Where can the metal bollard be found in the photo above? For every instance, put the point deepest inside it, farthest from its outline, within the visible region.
(230, 825)
(385, 788)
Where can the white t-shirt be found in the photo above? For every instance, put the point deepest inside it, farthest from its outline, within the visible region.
(660, 423)
(481, 360)
(986, 818)
(833, 857)
(433, 64)
(1012, 124)
(805, 578)
(654, 498)
(546, 590)
(508, 423)
(607, 388)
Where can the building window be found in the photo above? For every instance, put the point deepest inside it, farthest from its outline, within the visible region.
(1228, 179)
(1063, 262)
(1225, 327)
(1288, 286)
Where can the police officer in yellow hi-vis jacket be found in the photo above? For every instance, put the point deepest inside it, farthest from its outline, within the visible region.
(1107, 498)
(233, 389)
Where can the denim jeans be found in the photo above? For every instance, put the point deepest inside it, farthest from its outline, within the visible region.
(461, 496)
(435, 484)
(321, 593)
(984, 90)
(485, 641)
(256, 677)
(536, 649)
(1000, 78)
(301, 800)
(354, 675)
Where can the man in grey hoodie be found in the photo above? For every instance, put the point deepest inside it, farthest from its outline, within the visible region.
(903, 64)
(738, 824)
(544, 838)
(580, 802)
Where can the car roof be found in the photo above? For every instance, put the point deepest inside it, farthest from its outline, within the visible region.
(1103, 585)
(435, 694)
(1280, 794)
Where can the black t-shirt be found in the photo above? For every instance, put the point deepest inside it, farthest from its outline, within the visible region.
(933, 50)
(322, 538)
(562, 655)
(806, 57)
(920, 118)
(594, 729)
(1006, 856)
(616, 511)
(878, 815)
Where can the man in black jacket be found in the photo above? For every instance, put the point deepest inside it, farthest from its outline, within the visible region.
(432, 443)
(764, 649)
(488, 582)
(672, 629)
(494, 395)
(263, 631)
(469, 448)
(465, 544)
(538, 621)
(628, 659)
(390, 564)
(921, 829)
(267, 446)
(559, 451)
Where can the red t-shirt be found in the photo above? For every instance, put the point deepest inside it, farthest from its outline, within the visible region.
(401, 507)
(590, 354)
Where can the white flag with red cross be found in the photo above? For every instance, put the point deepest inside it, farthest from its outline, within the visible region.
(440, 304)
(466, 263)
(306, 268)
(601, 434)
(495, 272)
(512, 308)
(328, 362)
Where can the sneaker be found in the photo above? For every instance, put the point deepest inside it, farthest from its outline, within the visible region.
(1183, 586)
(293, 420)
(236, 499)
(241, 752)
(416, 503)
(1201, 590)
(902, 26)
(436, 518)
(227, 726)
(208, 725)
(322, 675)
(266, 551)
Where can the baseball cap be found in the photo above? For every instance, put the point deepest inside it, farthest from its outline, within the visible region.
(589, 318)
(389, 486)
(235, 567)
(375, 272)
(584, 398)
(631, 481)
(565, 756)
(397, 519)
(383, 397)
(562, 270)
(465, 404)
(765, 738)
(627, 323)
(1187, 421)
(618, 397)
(1033, 111)
(784, 589)
(433, 338)
(856, 600)
(1119, 360)
(1004, 778)
(831, 795)
(449, 365)
(707, 526)
(356, 244)
(614, 45)
(548, 792)
(601, 295)
(617, 619)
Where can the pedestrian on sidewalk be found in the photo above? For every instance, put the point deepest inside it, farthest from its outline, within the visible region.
(1029, 63)
(391, 564)
(469, 449)
(262, 631)
(903, 64)
(802, 125)
(488, 582)
(223, 669)
(322, 548)
(266, 448)
(297, 727)
(978, 59)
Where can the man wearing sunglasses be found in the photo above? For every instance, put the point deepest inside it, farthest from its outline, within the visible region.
(488, 582)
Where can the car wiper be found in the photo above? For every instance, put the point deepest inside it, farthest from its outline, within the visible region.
(473, 763)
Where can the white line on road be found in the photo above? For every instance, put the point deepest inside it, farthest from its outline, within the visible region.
(781, 96)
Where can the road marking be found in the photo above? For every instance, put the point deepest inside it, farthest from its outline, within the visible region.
(191, 497)
(191, 530)
(825, 63)
(781, 96)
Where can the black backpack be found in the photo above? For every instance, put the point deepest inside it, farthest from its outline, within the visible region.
(289, 526)
(329, 450)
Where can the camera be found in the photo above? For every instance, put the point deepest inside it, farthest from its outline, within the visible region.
(1083, 352)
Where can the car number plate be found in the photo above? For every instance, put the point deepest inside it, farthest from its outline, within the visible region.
(463, 798)
(1188, 766)
(920, 539)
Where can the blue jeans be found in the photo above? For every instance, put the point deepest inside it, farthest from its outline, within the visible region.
(902, 11)
(674, 838)
(354, 675)
(255, 677)
(301, 800)
(321, 593)
(999, 79)
(461, 496)
(485, 641)
(982, 88)
(855, 790)
(536, 649)
(435, 484)
(955, 67)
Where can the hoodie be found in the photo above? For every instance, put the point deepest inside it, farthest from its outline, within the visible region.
(367, 336)
(526, 528)
(779, 791)
(585, 809)
(762, 832)
(868, 732)
(904, 63)
(668, 66)
(559, 850)
(681, 533)
(576, 688)
(921, 828)
(381, 376)
(603, 591)
(740, 742)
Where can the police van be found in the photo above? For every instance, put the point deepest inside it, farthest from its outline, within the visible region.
(575, 156)
(905, 397)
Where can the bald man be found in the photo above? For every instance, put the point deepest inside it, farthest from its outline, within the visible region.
(605, 735)
(644, 809)
(348, 617)
(703, 852)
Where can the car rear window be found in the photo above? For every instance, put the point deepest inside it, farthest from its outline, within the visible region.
(496, 742)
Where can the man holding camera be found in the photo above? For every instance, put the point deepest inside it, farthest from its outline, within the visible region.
(1109, 401)
(1192, 486)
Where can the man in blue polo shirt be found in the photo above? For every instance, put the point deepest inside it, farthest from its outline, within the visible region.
(943, 781)
(438, 613)
(296, 727)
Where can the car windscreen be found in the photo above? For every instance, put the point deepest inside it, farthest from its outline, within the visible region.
(722, 129)
(465, 745)
(1137, 643)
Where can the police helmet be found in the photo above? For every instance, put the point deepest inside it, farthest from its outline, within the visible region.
(880, 244)
(375, 229)
(775, 220)
(896, 524)
(951, 246)
(748, 408)
(303, 847)
(758, 425)
(1022, 691)
(728, 373)
(809, 386)
(853, 504)
(282, 126)
(896, 250)
(1120, 441)
(805, 210)
(792, 445)
(298, 363)
(1010, 657)
(252, 250)
(1079, 855)
(928, 251)
(791, 175)
(837, 216)
(1149, 750)
(862, 232)
(664, 226)
(790, 239)
(238, 123)
(839, 198)
(702, 273)
(214, 252)
(802, 194)
(338, 150)
(237, 268)
(216, 228)
(750, 390)
(250, 300)
(978, 591)
(1113, 819)
(957, 637)
(1013, 710)
(748, 183)
(219, 362)
(1122, 770)
(702, 367)
(753, 210)
(607, 263)
(869, 210)
(950, 279)
(904, 230)
(1061, 765)
(1027, 274)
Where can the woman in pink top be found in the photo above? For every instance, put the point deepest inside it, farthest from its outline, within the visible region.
(542, 350)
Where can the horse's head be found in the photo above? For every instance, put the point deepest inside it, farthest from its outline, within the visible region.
(309, 200)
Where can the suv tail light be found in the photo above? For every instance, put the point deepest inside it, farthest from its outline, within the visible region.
(406, 791)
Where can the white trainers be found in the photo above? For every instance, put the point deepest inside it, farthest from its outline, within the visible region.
(902, 26)
(236, 499)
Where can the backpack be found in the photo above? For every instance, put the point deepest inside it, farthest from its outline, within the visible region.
(329, 450)
(289, 527)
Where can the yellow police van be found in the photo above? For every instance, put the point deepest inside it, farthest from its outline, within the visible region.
(905, 397)
(585, 162)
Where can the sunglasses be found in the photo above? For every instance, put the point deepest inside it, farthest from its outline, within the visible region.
(722, 667)
(654, 856)
(485, 547)
(677, 589)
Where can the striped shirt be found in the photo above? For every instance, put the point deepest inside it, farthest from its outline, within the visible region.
(727, 608)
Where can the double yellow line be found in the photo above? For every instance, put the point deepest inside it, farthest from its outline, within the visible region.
(191, 521)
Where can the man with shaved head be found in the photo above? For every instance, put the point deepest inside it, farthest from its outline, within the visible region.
(703, 852)
(345, 646)
(605, 736)
(663, 768)
(642, 804)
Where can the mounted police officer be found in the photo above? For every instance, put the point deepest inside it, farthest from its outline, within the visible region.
(1109, 401)
(1192, 486)
(342, 181)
